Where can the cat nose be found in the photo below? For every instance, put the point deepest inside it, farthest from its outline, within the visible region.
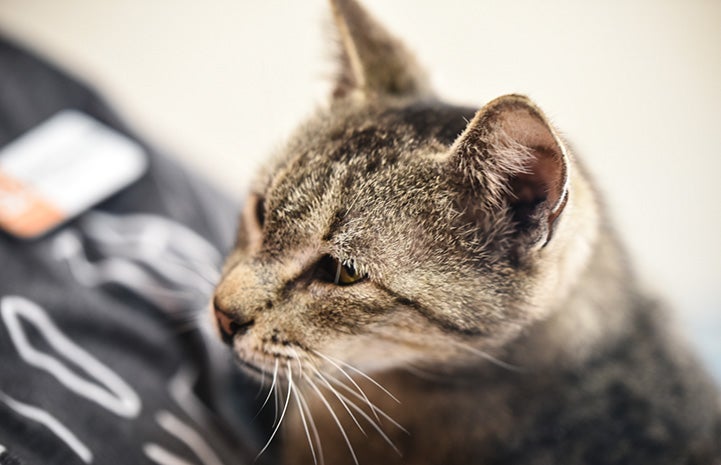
(230, 323)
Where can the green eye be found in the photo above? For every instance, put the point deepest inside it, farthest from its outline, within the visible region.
(333, 271)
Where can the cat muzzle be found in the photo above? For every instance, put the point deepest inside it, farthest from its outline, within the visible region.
(229, 326)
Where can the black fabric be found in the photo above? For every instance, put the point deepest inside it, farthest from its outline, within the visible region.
(101, 360)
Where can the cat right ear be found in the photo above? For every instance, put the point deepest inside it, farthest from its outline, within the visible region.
(509, 159)
(373, 62)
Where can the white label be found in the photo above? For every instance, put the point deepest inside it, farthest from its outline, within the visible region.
(60, 168)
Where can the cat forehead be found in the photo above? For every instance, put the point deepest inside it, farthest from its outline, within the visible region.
(395, 126)
(366, 140)
(369, 161)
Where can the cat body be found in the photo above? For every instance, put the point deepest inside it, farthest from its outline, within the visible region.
(430, 284)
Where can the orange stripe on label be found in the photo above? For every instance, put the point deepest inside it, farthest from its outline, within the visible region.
(23, 212)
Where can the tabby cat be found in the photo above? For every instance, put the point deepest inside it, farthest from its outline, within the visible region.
(422, 283)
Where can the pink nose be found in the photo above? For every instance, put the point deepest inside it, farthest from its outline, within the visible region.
(226, 325)
(229, 324)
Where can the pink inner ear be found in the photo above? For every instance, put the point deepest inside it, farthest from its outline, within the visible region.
(542, 179)
(544, 174)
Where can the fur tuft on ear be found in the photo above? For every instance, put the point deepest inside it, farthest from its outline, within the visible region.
(509, 156)
(373, 62)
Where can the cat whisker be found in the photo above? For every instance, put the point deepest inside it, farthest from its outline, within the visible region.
(424, 373)
(375, 425)
(296, 355)
(348, 403)
(340, 398)
(335, 417)
(305, 423)
(285, 408)
(355, 200)
(209, 274)
(311, 422)
(306, 414)
(351, 367)
(485, 355)
(262, 384)
(270, 391)
(373, 407)
(490, 358)
(339, 368)
(276, 403)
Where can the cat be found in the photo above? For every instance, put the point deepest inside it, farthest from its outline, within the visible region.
(425, 283)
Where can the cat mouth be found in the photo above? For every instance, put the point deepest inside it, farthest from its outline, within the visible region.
(262, 364)
(249, 367)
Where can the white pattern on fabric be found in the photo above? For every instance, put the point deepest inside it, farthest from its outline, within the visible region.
(163, 456)
(189, 436)
(161, 260)
(180, 388)
(108, 390)
(50, 422)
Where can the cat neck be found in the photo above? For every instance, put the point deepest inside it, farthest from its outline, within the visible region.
(593, 316)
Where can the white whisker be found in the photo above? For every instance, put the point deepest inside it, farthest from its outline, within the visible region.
(374, 407)
(424, 373)
(374, 424)
(282, 415)
(296, 355)
(270, 391)
(340, 398)
(305, 424)
(339, 368)
(489, 357)
(276, 402)
(262, 384)
(311, 421)
(351, 367)
(337, 422)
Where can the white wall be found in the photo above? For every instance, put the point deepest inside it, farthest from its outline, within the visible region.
(636, 85)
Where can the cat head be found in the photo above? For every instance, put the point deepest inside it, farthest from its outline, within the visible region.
(396, 229)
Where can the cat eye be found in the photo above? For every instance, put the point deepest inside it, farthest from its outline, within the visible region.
(260, 210)
(250, 232)
(332, 270)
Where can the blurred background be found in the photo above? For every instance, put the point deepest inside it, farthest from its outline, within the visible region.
(634, 85)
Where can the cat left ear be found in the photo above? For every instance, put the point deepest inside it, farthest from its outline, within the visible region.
(373, 62)
(511, 157)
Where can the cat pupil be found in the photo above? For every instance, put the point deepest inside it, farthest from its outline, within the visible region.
(332, 270)
(347, 274)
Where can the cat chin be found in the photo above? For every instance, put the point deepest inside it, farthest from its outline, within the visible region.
(264, 367)
(251, 369)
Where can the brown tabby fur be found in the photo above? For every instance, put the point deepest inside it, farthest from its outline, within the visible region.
(498, 306)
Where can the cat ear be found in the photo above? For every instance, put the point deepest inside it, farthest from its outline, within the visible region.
(511, 157)
(373, 62)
